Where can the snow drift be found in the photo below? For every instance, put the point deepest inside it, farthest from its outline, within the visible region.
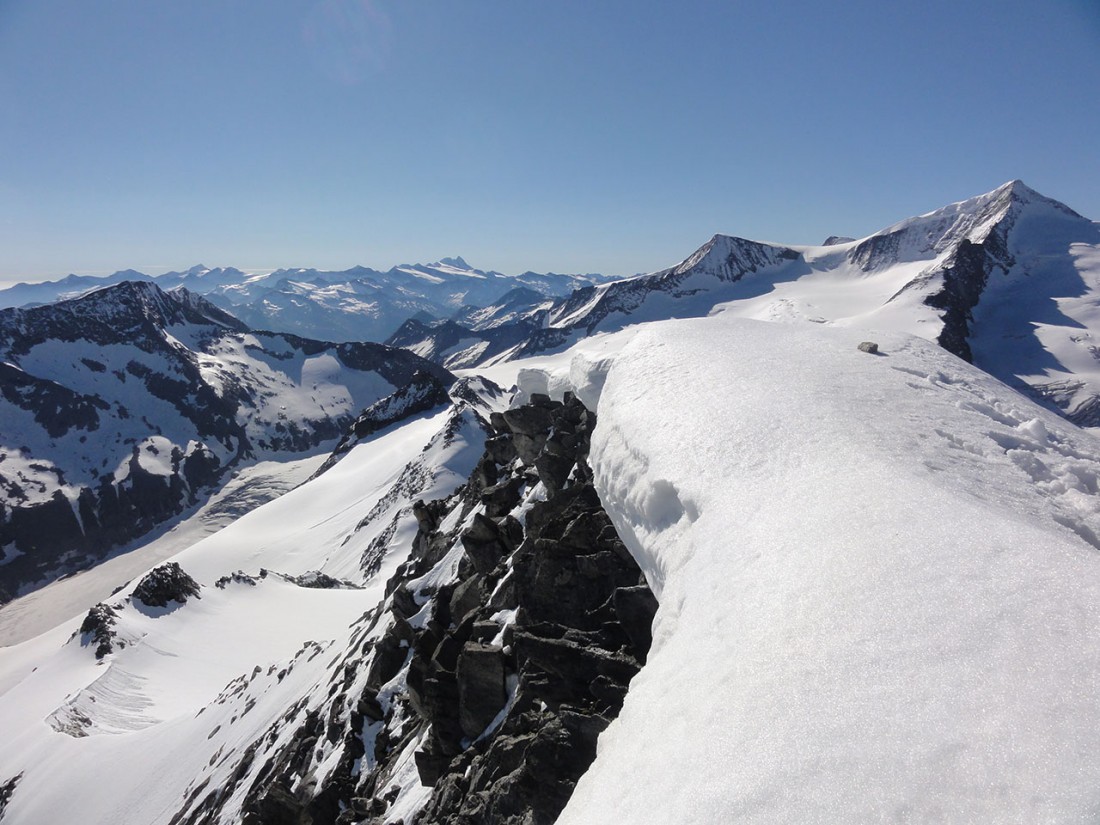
(878, 580)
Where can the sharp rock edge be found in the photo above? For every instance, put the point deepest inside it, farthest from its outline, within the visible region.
(475, 692)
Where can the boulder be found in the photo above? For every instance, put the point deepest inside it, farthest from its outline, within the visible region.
(164, 584)
(481, 694)
(98, 628)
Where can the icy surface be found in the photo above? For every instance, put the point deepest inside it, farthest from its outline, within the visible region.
(878, 577)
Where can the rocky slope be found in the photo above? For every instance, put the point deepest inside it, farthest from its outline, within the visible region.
(503, 649)
(122, 408)
(470, 688)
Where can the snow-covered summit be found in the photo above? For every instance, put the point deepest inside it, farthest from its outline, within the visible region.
(978, 220)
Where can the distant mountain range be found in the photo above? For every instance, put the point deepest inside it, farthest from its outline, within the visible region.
(1009, 280)
(357, 304)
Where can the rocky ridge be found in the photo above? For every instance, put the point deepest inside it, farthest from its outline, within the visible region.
(476, 691)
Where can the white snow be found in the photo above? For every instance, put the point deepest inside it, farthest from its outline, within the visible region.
(70, 597)
(197, 683)
(878, 579)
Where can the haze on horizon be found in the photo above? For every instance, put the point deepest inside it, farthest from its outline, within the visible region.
(570, 137)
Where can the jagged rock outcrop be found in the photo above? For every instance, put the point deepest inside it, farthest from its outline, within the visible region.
(98, 628)
(164, 584)
(504, 647)
(541, 665)
(6, 790)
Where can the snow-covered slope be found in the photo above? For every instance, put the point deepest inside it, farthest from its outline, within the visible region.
(119, 408)
(878, 586)
(196, 695)
(1009, 280)
(878, 580)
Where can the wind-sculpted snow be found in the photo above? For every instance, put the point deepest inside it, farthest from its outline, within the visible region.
(878, 579)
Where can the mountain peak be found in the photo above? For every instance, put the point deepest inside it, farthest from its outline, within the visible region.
(131, 302)
(457, 262)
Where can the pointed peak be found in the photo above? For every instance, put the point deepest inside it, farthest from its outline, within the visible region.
(457, 262)
(1018, 192)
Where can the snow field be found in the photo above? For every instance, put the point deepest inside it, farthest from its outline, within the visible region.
(871, 609)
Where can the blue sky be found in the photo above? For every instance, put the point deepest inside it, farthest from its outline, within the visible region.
(569, 136)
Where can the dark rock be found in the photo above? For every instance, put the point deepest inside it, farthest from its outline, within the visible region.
(532, 421)
(7, 789)
(98, 627)
(869, 347)
(403, 603)
(541, 399)
(468, 596)
(277, 806)
(484, 631)
(390, 653)
(636, 607)
(321, 581)
(447, 652)
(482, 543)
(427, 516)
(239, 577)
(502, 498)
(481, 695)
(164, 584)
(430, 765)
(553, 469)
(500, 449)
(511, 533)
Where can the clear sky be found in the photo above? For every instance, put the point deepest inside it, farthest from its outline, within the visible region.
(609, 136)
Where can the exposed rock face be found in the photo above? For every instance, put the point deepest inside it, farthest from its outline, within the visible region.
(98, 629)
(529, 658)
(964, 279)
(505, 646)
(423, 393)
(6, 790)
(164, 584)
